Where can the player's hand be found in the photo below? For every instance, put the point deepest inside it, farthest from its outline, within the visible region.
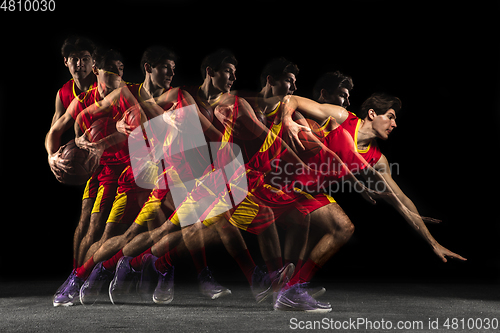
(149, 174)
(58, 165)
(291, 132)
(95, 149)
(122, 126)
(444, 253)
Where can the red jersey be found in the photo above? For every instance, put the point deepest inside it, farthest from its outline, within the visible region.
(115, 155)
(67, 92)
(372, 153)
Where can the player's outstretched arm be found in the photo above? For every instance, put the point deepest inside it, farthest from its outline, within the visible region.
(408, 210)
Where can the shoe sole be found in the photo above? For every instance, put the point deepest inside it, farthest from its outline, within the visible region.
(222, 293)
(62, 304)
(163, 302)
(286, 307)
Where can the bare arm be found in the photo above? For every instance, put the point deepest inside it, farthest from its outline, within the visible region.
(317, 111)
(410, 213)
(60, 109)
(310, 109)
(53, 138)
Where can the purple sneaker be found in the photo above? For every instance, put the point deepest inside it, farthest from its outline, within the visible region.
(296, 298)
(124, 285)
(264, 284)
(149, 278)
(261, 284)
(98, 280)
(209, 287)
(69, 292)
(164, 292)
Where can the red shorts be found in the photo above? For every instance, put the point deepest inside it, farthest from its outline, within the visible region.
(108, 184)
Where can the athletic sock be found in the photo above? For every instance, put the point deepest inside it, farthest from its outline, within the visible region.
(84, 270)
(274, 265)
(246, 264)
(75, 264)
(111, 263)
(199, 258)
(166, 261)
(136, 262)
(304, 274)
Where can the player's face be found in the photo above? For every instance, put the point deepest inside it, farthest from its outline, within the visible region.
(286, 85)
(79, 64)
(111, 79)
(384, 124)
(163, 74)
(339, 97)
(224, 78)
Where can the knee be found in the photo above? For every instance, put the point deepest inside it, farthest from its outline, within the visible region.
(347, 229)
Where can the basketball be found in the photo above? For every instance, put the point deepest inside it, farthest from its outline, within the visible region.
(309, 139)
(73, 166)
(100, 129)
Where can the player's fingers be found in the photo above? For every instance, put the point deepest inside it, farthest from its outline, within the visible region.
(457, 256)
(430, 219)
(296, 139)
(304, 128)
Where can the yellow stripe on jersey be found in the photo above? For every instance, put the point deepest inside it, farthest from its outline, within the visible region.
(272, 113)
(356, 139)
(227, 135)
(271, 137)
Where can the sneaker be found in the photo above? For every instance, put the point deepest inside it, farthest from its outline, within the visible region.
(164, 292)
(281, 277)
(63, 286)
(124, 284)
(149, 278)
(316, 292)
(69, 292)
(296, 298)
(209, 287)
(98, 280)
(261, 284)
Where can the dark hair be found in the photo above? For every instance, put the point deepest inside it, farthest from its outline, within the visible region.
(331, 81)
(154, 55)
(104, 58)
(76, 44)
(216, 60)
(276, 68)
(380, 103)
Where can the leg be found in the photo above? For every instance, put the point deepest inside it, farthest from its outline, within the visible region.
(82, 228)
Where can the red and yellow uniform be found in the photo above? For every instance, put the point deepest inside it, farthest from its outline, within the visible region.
(68, 92)
(372, 153)
(247, 201)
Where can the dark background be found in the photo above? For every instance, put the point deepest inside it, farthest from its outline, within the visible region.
(441, 61)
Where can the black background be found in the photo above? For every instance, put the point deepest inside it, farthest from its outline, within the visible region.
(441, 61)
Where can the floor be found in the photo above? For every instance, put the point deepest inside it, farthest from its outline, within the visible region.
(357, 306)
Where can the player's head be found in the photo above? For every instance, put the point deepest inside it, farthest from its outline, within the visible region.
(380, 110)
(108, 67)
(333, 88)
(158, 63)
(220, 68)
(77, 54)
(280, 75)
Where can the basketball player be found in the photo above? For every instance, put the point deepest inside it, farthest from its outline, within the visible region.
(333, 88)
(77, 55)
(279, 79)
(379, 120)
(107, 64)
